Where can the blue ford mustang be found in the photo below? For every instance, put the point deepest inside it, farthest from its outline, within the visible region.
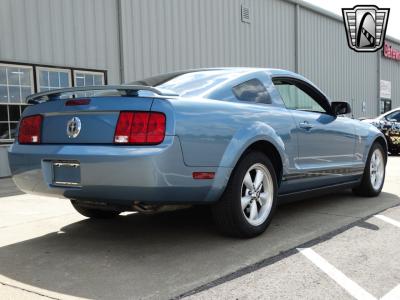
(239, 139)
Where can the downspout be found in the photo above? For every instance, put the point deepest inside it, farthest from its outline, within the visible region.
(379, 82)
(120, 42)
(296, 37)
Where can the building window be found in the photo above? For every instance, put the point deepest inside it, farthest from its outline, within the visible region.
(10, 114)
(87, 78)
(52, 78)
(385, 105)
(16, 82)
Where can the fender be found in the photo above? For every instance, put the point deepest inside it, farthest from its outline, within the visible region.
(370, 140)
(246, 136)
(367, 136)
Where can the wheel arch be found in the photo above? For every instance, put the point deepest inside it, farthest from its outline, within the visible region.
(380, 140)
(271, 151)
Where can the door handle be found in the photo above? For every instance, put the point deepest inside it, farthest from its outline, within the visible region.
(306, 125)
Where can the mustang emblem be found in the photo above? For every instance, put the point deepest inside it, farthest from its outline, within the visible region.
(74, 127)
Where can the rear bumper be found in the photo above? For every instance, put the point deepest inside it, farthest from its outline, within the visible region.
(117, 174)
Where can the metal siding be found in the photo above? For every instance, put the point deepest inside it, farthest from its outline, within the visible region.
(390, 70)
(326, 59)
(162, 36)
(72, 33)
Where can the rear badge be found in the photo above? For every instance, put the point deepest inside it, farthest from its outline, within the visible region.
(74, 127)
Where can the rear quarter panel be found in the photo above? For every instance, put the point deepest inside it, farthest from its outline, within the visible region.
(216, 133)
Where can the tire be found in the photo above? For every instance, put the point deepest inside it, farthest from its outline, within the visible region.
(229, 216)
(368, 186)
(94, 213)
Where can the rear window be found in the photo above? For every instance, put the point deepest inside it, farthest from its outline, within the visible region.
(189, 83)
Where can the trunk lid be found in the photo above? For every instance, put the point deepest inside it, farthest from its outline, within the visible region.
(92, 123)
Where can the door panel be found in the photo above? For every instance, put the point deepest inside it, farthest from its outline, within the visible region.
(326, 143)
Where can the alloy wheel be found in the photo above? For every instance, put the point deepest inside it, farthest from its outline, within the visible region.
(377, 169)
(257, 194)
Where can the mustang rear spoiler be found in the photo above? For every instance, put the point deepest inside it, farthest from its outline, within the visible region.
(124, 90)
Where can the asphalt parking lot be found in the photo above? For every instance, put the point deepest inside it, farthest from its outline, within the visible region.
(333, 247)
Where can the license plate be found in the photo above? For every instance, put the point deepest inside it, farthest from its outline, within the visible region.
(66, 173)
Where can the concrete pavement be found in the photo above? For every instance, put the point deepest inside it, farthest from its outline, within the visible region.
(50, 251)
(367, 254)
(8, 188)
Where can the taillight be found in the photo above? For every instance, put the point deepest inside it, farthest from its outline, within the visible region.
(156, 128)
(30, 130)
(143, 128)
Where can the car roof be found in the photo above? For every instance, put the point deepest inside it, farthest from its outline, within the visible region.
(271, 71)
(238, 70)
(187, 83)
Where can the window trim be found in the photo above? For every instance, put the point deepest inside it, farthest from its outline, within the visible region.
(315, 93)
(49, 69)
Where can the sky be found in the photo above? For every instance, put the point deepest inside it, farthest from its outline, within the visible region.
(336, 6)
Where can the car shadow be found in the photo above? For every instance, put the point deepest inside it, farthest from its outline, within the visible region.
(164, 255)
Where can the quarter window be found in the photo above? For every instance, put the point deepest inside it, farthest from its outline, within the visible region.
(252, 91)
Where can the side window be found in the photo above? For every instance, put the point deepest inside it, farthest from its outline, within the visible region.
(394, 116)
(252, 91)
(295, 98)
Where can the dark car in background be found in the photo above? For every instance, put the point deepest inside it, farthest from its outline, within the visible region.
(389, 124)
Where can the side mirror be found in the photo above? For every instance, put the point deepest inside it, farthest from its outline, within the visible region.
(340, 107)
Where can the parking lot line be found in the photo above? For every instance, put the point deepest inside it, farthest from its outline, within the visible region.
(388, 220)
(393, 294)
(346, 283)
